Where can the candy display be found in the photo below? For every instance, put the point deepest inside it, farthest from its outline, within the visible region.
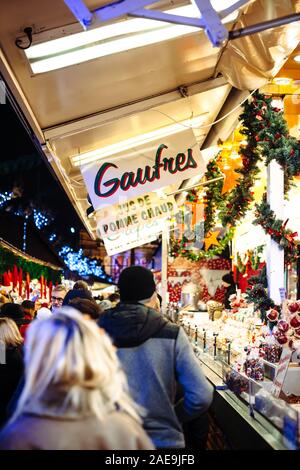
(254, 365)
(271, 352)
(236, 382)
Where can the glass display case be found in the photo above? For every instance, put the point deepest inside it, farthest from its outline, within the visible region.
(247, 384)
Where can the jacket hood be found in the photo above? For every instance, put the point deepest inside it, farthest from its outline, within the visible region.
(130, 325)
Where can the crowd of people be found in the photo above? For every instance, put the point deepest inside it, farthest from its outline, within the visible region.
(78, 375)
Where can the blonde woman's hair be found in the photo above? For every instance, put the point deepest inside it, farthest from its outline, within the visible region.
(72, 369)
(9, 332)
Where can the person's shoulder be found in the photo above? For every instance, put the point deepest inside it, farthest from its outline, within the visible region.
(168, 331)
(126, 432)
(9, 435)
(120, 421)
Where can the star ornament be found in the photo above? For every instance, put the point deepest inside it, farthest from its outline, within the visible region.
(228, 167)
(211, 239)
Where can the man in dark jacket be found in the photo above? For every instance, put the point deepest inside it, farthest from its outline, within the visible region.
(155, 354)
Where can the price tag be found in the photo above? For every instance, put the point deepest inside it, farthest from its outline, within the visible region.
(282, 292)
(281, 371)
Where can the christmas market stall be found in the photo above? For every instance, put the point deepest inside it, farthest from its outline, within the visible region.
(29, 274)
(250, 349)
(174, 130)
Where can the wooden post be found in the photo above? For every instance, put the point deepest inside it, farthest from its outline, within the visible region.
(275, 254)
(164, 268)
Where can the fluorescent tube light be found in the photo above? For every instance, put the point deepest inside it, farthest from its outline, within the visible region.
(109, 150)
(109, 39)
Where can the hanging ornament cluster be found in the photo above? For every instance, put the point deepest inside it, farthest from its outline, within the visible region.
(287, 330)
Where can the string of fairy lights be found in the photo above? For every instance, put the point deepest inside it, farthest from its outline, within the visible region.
(74, 260)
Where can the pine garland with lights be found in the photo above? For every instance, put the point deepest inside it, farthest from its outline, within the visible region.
(213, 195)
(267, 139)
(274, 141)
(258, 294)
(179, 248)
(239, 198)
(285, 238)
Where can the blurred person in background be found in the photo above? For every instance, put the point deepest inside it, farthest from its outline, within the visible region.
(16, 313)
(29, 314)
(81, 285)
(11, 363)
(105, 304)
(59, 292)
(77, 294)
(75, 393)
(114, 299)
(89, 308)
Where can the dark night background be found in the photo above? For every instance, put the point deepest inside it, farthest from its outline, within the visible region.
(24, 171)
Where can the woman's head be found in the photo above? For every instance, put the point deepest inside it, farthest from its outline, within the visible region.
(71, 368)
(87, 307)
(9, 333)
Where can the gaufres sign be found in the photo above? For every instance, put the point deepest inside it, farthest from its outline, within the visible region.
(133, 213)
(112, 180)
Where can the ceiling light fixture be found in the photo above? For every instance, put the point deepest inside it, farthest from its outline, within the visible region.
(109, 150)
(109, 39)
(297, 58)
(282, 80)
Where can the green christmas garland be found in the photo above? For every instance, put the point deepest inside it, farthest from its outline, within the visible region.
(36, 270)
(258, 295)
(213, 195)
(285, 238)
(267, 139)
(180, 248)
(274, 141)
(239, 198)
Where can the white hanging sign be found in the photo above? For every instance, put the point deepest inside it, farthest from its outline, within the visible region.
(141, 171)
(133, 213)
(133, 237)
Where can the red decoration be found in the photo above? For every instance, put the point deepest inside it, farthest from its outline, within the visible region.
(42, 285)
(45, 289)
(15, 276)
(27, 285)
(20, 282)
(6, 279)
(50, 290)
